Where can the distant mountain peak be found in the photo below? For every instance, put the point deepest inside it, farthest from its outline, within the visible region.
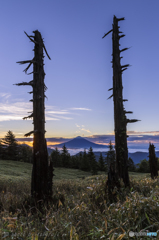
(80, 142)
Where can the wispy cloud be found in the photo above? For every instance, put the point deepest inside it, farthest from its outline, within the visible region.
(15, 108)
(8, 118)
(83, 109)
(85, 130)
(54, 113)
(14, 111)
(18, 110)
(143, 133)
(81, 129)
(58, 112)
(4, 95)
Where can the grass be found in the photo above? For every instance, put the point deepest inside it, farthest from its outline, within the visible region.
(81, 208)
(20, 171)
(14, 170)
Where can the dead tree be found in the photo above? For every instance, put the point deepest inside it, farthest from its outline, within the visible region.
(120, 119)
(153, 161)
(42, 172)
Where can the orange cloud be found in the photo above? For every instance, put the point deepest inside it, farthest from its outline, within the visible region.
(29, 143)
(52, 143)
(143, 133)
(101, 143)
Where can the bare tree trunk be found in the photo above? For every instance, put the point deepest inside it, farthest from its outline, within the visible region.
(153, 161)
(120, 120)
(119, 114)
(42, 172)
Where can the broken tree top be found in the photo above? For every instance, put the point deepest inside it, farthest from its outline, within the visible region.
(38, 41)
(34, 39)
(115, 19)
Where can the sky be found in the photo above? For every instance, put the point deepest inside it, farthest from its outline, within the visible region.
(80, 70)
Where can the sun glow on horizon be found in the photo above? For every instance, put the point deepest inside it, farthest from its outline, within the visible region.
(29, 143)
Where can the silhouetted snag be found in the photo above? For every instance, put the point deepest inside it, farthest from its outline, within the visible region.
(42, 172)
(120, 120)
(153, 161)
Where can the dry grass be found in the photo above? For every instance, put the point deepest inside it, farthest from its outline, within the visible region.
(81, 209)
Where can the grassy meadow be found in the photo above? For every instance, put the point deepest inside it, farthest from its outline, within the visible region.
(81, 208)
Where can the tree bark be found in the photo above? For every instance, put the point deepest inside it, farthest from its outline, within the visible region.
(120, 119)
(42, 172)
(119, 114)
(40, 157)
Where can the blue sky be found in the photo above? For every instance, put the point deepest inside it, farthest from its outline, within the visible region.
(80, 73)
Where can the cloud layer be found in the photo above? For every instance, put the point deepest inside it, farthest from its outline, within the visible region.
(10, 110)
(18, 109)
(134, 141)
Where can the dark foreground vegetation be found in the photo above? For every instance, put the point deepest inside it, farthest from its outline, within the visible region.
(81, 209)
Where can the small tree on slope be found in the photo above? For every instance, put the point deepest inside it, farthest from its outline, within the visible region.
(10, 146)
(92, 162)
(101, 163)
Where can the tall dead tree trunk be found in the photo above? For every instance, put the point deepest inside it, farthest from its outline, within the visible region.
(42, 172)
(120, 120)
(153, 161)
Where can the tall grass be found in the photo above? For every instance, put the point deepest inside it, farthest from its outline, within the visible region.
(81, 209)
